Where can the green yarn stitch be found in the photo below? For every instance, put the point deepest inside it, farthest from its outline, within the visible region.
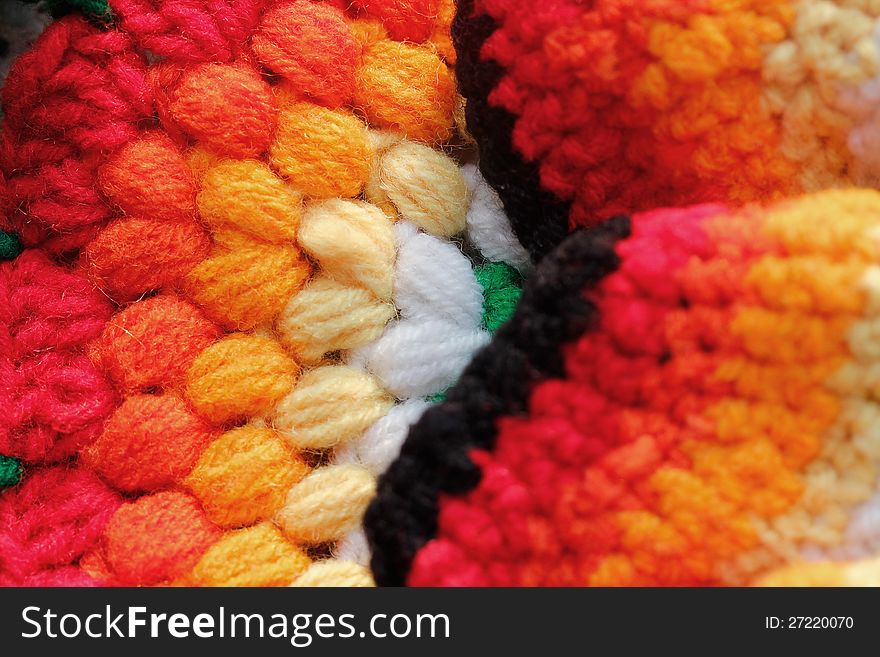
(10, 245)
(502, 288)
(95, 9)
(10, 471)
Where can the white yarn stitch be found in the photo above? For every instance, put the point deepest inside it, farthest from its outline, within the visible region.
(420, 357)
(863, 105)
(423, 353)
(377, 448)
(863, 534)
(354, 547)
(488, 227)
(433, 279)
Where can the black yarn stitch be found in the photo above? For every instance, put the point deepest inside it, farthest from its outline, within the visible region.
(434, 459)
(539, 218)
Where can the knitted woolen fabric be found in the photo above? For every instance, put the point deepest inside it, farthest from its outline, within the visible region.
(583, 110)
(684, 397)
(55, 398)
(242, 274)
(48, 522)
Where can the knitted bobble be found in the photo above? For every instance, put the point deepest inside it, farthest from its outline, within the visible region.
(433, 278)
(58, 202)
(157, 538)
(10, 472)
(330, 406)
(335, 574)
(153, 343)
(327, 504)
(148, 443)
(133, 256)
(862, 533)
(379, 445)
(54, 398)
(405, 20)
(353, 241)
(334, 159)
(50, 520)
(229, 109)
(488, 227)
(46, 307)
(248, 286)
(238, 377)
(149, 178)
(420, 357)
(311, 45)
(408, 88)
(246, 197)
(256, 556)
(189, 31)
(79, 85)
(243, 476)
(55, 404)
(426, 187)
(328, 316)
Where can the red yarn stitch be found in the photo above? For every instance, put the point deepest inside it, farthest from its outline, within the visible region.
(54, 398)
(44, 307)
(79, 85)
(54, 405)
(49, 521)
(189, 30)
(76, 96)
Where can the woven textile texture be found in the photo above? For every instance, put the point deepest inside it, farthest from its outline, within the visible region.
(233, 274)
(584, 110)
(683, 397)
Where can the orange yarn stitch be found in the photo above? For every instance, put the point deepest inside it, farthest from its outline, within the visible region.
(311, 45)
(228, 108)
(193, 231)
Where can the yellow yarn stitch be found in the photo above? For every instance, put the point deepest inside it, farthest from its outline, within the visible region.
(245, 196)
(328, 316)
(243, 476)
(238, 377)
(335, 574)
(255, 556)
(381, 141)
(247, 286)
(353, 241)
(327, 504)
(323, 152)
(860, 573)
(329, 406)
(426, 187)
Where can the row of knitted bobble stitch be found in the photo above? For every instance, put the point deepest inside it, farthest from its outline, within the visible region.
(627, 105)
(280, 320)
